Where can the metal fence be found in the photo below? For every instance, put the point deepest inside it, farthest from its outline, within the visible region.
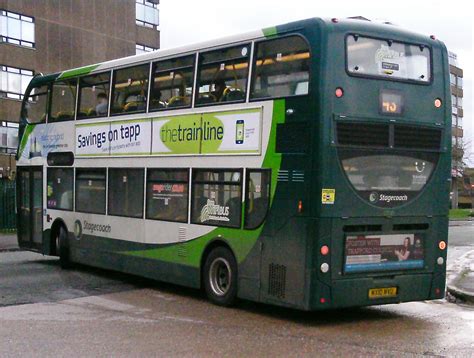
(7, 205)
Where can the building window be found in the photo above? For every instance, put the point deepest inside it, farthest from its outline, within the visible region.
(14, 81)
(17, 29)
(452, 79)
(8, 137)
(147, 13)
(139, 48)
(126, 192)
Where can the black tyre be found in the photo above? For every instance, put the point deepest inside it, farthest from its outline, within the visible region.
(220, 277)
(62, 247)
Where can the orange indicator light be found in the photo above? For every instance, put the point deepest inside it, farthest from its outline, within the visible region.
(442, 245)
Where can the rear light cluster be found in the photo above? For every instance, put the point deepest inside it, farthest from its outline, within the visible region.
(324, 266)
(324, 250)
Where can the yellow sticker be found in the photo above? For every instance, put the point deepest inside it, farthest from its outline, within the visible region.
(328, 196)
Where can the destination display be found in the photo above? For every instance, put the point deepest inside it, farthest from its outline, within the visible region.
(383, 252)
(391, 102)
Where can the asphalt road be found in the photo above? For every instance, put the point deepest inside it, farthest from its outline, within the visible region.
(45, 311)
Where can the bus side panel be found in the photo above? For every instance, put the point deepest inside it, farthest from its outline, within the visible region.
(105, 253)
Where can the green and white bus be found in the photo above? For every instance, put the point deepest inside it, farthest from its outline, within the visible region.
(305, 165)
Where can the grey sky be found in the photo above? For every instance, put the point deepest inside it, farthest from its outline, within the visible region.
(184, 22)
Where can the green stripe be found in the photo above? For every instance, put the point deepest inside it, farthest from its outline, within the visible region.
(78, 71)
(270, 31)
(24, 139)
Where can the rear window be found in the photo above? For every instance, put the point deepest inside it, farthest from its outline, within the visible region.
(387, 59)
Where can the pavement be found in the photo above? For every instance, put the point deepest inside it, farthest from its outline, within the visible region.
(8, 242)
(460, 280)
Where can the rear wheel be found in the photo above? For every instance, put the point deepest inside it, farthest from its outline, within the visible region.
(220, 276)
(62, 247)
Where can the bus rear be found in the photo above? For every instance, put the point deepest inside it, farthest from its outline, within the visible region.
(384, 161)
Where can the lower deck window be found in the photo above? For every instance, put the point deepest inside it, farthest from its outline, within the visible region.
(90, 190)
(257, 197)
(126, 192)
(167, 194)
(217, 197)
(60, 188)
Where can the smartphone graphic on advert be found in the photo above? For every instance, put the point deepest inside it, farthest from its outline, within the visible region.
(239, 132)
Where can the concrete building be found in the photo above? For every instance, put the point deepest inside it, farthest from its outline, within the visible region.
(43, 36)
(456, 80)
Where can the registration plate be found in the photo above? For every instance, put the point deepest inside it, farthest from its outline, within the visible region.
(382, 292)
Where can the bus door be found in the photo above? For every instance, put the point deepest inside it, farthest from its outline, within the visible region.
(30, 207)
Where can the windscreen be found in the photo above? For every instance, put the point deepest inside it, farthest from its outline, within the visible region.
(387, 59)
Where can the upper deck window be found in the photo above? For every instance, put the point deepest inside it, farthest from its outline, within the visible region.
(281, 68)
(223, 75)
(172, 83)
(388, 59)
(63, 101)
(130, 88)
(34, 106)
(94, 95)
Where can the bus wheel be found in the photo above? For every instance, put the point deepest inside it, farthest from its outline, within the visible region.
(220, 277)
(62, 247)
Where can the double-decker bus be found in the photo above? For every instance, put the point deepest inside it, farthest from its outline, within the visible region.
(305, 165)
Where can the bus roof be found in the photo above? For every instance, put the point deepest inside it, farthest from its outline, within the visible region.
(360, 25)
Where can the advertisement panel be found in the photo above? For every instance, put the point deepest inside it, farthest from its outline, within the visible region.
(230, 132)
(91, 139)
(383, 252)
(41, 139)
(130, 137)
(233, 132)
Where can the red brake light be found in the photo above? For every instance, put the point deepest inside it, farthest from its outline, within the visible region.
(339, 92)
(324, 250)
(437, 103)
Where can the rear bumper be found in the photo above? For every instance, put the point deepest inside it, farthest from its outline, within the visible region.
(353, 292)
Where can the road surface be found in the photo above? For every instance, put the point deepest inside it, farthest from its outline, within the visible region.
(45, 311)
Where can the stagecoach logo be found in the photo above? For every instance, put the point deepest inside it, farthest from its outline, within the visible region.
(78, 229)
(375, 197)
(211, 211)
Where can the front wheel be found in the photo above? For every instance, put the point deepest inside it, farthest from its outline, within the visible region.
(62, 247)
(220, 277)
